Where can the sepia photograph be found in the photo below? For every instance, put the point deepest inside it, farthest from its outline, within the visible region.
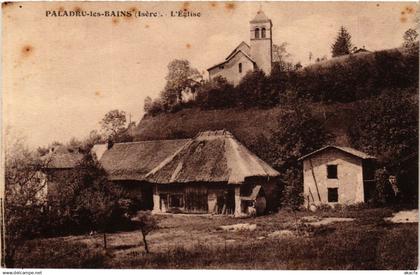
(203, 135)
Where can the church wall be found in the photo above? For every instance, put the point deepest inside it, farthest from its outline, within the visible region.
(261, 47)
(230, 70)
(261, 53)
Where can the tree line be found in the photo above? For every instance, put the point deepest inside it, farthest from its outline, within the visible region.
(347, 79)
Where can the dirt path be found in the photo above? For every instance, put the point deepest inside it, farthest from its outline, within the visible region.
(409, 216)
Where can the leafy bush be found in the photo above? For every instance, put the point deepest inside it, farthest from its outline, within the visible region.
(216, 94)
(387, 127)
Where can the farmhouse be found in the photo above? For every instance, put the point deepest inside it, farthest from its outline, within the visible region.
(211, 173)
(128, 163)
(244, 57)
(336, 174)
(59, 168)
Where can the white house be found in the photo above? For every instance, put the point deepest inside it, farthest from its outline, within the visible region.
(336, 174)
(245, 58)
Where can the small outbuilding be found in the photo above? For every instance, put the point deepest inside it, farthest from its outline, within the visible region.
(337, 175)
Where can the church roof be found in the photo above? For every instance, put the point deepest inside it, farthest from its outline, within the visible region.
(230, 57)
(260, 17)
(246, 49)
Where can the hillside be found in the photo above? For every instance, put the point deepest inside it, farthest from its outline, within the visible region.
(338, 91)
(368, 57)
(245, 124)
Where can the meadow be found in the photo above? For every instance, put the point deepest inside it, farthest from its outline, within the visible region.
(328, 239)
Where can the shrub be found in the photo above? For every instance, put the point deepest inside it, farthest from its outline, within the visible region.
(216, 94)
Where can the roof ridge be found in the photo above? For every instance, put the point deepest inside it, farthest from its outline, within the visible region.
(143, 141)
(348, 150)
(232, 56)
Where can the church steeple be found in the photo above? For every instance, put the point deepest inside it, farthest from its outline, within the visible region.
(261, 41)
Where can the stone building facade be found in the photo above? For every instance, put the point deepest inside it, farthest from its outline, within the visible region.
(244, 57)
(337, 175)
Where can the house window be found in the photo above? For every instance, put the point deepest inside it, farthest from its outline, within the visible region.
(263, 33)
(176, 200)
(332, 194)
(332, 171)
(257, 33)
(240, 67)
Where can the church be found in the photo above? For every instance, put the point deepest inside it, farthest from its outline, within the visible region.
(245, 58)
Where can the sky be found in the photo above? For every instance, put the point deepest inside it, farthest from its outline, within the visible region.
(61, 75)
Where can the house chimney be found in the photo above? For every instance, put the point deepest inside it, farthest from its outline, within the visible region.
(110, 144)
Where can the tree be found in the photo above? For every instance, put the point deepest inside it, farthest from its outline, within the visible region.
(97, 200)
(25, 201)
(156, 107)
(93, 138)
(253, 89)
(147, 223)
(217, 93)
(180, 74)
(281, 56)
(387, 127)
(113, 123)
(147, 104)
(342, 44)
(410, 38)
(303, 133)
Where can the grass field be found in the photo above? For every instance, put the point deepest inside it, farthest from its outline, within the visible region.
(283, 240)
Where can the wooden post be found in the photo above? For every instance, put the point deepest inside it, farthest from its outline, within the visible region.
(316, 183)
(237, 201)
(156, 199)
(104, 240)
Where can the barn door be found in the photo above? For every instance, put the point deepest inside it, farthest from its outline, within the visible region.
(196, 200)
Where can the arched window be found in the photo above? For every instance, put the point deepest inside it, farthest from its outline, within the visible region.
(263, 33)
(257, 33)
(240, 67)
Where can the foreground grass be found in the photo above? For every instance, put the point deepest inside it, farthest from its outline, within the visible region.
(196, 242)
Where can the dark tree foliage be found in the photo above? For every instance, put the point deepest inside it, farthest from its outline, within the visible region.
(383, 191)
(277, 84)
(302, 134)
(342, 44)
(97, 199)
(86, 202)
(387, 128)
(299, 133)
(253, 89)
(216, 94)
(410, 38)
(357, 77)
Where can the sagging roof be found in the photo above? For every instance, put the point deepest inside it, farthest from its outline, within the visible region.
(133, 160)
(348, 150)
(212, 156)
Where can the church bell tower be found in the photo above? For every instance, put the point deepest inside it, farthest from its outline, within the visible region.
(261, 41)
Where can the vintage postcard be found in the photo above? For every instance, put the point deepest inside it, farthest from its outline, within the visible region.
(210, 135)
